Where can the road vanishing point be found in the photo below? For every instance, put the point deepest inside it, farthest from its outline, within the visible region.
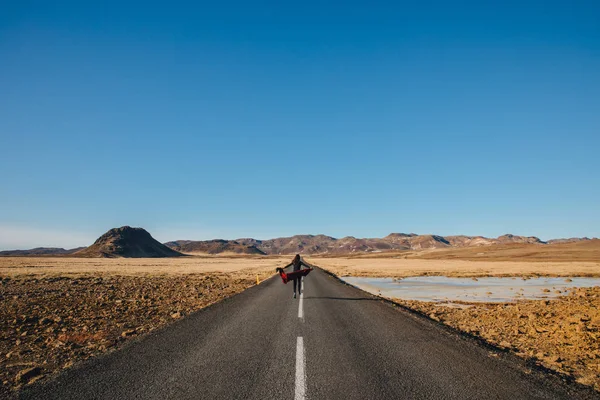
(333, 342)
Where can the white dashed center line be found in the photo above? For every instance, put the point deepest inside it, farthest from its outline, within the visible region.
(300, 392)
(301, 305)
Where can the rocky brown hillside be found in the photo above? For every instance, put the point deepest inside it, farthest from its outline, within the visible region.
(307, 244)
(568, 240)
(518, 239)
(213, 247)
(469, 241)
(127, 242)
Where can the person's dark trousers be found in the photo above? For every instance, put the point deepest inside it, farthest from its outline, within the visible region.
(298, 281)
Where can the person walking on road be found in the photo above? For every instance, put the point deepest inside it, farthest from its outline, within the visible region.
(297, 263)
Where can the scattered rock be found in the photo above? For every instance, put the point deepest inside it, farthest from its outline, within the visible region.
(61, 323)
(26, 375)
(128, 332)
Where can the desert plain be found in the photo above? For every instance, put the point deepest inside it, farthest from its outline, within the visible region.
(58, 311)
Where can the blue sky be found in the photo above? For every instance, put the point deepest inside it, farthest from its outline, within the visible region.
(252, 119)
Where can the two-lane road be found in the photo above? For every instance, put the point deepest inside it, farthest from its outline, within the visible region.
(335, 342)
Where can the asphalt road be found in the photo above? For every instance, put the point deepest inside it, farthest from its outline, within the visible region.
(337, 342)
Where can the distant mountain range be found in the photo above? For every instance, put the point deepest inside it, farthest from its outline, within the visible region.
(40, 251)
(137, 242)
(322, 244)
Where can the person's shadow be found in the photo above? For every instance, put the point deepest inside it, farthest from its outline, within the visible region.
(340, 298)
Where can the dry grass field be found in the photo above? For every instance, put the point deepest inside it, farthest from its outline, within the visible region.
(564, 259)
(588, 250)
(400, 267)
(68, 266)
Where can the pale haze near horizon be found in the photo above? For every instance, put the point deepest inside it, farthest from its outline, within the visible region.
(229, 121)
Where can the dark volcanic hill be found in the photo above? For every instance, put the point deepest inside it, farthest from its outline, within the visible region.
(127, 242)
(213, 247)
(40, 251)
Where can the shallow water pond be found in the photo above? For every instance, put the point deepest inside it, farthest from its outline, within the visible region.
(489, 289)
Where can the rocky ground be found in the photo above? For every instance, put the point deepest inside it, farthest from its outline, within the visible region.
(49, 323)
(561, 334)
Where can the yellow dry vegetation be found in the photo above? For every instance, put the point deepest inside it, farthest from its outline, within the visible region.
(68, 266)
(400, 267)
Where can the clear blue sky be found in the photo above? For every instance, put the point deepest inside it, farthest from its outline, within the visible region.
(269, 119)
